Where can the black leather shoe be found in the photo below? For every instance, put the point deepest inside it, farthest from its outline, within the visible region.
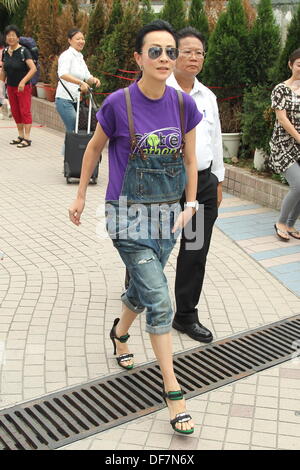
(194, 330)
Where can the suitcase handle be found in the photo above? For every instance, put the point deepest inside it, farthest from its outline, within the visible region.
(91, 103)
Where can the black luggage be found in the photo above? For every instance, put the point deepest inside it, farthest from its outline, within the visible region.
(75, 145)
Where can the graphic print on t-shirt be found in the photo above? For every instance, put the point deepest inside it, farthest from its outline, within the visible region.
(164, 141)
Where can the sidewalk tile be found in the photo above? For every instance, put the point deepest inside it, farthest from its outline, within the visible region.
(288, 443)
(205, 444)
(289, 429)
(213, 433)
(240, 423)
(264, 439)
(161, 440)
(266, 413)
(138, 437)
(261, 425)
(238, 436)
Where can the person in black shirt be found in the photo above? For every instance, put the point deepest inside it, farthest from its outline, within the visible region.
(18, 68)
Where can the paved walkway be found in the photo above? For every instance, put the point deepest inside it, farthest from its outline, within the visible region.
(252, 227)
(59, 293)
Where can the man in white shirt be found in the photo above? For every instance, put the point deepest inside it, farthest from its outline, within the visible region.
(191, 263)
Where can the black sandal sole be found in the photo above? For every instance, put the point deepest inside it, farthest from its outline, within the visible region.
(279, 236)
(20, 146)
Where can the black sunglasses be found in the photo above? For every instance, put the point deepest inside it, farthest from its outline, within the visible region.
(156, 51)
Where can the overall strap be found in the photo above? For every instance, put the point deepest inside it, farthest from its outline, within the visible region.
(130, 118)
(181, 107)
(133, 140)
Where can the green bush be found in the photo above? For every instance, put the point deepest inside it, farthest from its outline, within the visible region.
(116, 16)
(174, 11)
(96, 28)
(116, 49)
(226, 63)
(257, 118)
(264, 44)
(147, 12)
(198, 19)
(282, 72)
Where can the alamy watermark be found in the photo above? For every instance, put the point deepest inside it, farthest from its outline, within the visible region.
(148, 221)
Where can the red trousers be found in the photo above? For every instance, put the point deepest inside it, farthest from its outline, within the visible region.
(20, 103)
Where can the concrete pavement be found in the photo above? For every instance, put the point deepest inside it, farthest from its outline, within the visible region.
(59, 293)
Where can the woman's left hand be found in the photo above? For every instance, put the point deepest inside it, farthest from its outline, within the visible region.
(21, 86)
(183, 218)
(97, 82)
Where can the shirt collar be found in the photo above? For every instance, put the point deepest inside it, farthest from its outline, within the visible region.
(197, 88)
(74, 52)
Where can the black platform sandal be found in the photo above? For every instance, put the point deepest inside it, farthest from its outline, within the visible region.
(122, 339)
(25, 143)
(180, 417)
(16, 141)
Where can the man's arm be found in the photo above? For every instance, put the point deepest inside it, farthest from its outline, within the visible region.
(218, 168)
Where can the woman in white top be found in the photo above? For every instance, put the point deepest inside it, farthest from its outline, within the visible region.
(73, 72)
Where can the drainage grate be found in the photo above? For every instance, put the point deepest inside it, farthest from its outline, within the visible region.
(60, 418)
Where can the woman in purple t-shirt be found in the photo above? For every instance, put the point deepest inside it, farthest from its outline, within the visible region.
(148, 126)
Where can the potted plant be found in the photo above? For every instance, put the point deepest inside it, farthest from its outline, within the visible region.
(40, 86)
(40, 90)
(257, 123)
(230, 117)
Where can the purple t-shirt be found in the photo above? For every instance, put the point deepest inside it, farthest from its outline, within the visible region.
(156, 124)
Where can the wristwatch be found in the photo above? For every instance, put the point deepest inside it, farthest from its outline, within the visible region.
(194, 205)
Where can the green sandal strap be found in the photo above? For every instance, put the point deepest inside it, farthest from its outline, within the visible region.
(177, 395)
(123, 338)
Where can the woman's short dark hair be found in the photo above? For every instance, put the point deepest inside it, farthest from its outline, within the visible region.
(12, 28)
(72, 32)
(189, 32)
(157, 25)
(294, 56)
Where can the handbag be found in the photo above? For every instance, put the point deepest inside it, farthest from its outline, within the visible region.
(84, 110)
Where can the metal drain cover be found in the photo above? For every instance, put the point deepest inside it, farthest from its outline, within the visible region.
(60, 418)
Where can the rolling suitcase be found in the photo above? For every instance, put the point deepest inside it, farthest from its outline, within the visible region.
(75, 145)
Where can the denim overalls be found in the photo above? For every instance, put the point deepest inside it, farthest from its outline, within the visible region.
(140, 225)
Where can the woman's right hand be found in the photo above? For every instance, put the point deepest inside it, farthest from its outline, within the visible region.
(76, 210)
(84, 87)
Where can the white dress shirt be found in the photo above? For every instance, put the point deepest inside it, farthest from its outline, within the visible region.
(71, 62)
(209, 147)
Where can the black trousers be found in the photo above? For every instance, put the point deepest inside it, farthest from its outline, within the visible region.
(190, 268)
